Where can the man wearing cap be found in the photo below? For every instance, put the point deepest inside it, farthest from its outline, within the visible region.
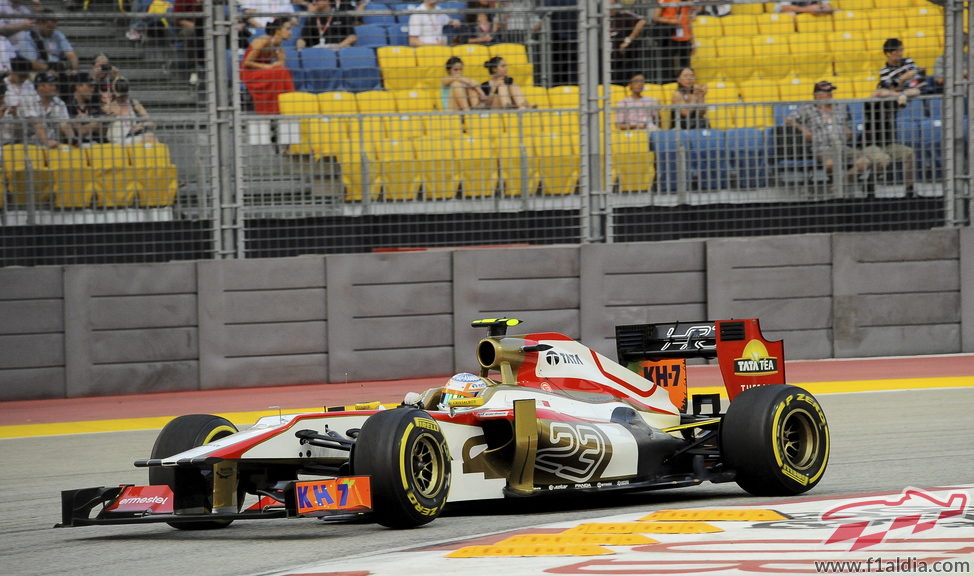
(899, 79)
(53, 127)
(827, 126)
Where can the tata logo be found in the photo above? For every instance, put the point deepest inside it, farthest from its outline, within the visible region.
(554, 358)
(755, 361)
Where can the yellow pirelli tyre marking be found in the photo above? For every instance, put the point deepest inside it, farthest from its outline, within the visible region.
(498, 550)
(725, 515)
(644, 528)
(403, 460)
(219, 431)
(564, 539)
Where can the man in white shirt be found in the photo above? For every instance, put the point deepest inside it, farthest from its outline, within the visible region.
(426, 25)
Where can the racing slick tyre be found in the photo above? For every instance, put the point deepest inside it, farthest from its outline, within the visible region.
(405, 453)
(776, 439)
(192, 488)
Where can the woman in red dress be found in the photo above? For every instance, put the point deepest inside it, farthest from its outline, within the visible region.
(263, 70)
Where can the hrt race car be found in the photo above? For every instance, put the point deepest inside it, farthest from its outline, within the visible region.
(544, 416)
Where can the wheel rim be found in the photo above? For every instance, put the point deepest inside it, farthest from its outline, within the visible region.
(799, 439)
(426, 467)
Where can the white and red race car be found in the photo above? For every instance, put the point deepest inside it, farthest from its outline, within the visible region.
(545, 415)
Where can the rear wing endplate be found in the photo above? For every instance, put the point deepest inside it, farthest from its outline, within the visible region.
(745, 357)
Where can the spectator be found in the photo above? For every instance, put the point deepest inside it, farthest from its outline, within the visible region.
(625, 28)
(53, 127)
(426, 24)
(460, 92)
(517, 21)
(49, 50)
(15, 17)
(805, 7)
(7, 52)
(21, 98)
(137, 26)
(675, 38)
(899, 79)
(130, 123)
(326, 26)
(267, 7)
(500, 89)
(85, 108)
(828, 126)
(689, 98)
(264, 71)
(635, 111)
(103, 74)
(479, 28)
(189, 30)
(8, 128)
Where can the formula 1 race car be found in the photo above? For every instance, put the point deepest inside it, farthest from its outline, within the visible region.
(545, 415)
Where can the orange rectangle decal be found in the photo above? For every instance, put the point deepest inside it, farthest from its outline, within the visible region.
(353, 494)
(669, 374)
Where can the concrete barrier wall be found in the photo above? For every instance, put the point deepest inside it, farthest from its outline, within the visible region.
(99, 330)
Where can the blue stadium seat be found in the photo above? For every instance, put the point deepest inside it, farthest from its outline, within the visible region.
(790, 157)
(320, 70)
(368, 18)
(782, 111)
(914, 110)
(292, 57)
(668, 145)
(748, 156)
(925, 136)
(402, 12)
(708, 158)
(398, 35)
(371, 35)
(359, 68)
(935, 108)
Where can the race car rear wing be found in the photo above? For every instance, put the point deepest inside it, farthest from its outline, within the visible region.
(745, 357)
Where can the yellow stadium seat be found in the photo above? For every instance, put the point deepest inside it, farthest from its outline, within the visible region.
(923, 47)
(334, 123)
(849, 52)
(73, 178)
(113, 183)
(707, 27)
(561, 121)
(437, 168)
(666, 92)
(810, 56)
(396, 165)
(557, 161)
(483, 124)
(633, 165)
(705, 60)
(927, 17)
(737, 24)
(154, 174)
(850, 20)
(854, 4)
(722, 117)
(775, 23)
(519, 66)
(864, 85)
(749, 8)
(797, 89)
(298, 104)
(431, 65)
(736, 57)
(518, 168)
(890, 21)
(563, 97)
(476, 161)
(755, 92)
(474, 56)
(376, 108)
(397, 65)
(771, 56)
(814, 23)
(27, 173)
(536, 96)
(359, 170)
(415, 100)
(415, 107)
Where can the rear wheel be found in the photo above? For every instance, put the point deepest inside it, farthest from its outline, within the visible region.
(192, 487)
(405, 453)
(776, 439)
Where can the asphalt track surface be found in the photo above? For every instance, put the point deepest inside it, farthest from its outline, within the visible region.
(895, 423)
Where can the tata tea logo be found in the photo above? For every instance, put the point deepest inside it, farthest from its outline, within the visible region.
(756, 361)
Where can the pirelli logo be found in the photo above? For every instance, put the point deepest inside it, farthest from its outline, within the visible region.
(426, 423)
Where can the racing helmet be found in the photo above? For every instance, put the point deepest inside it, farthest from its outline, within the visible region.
(462, 385)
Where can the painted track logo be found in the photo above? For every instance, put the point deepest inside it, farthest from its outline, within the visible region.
(914, 509)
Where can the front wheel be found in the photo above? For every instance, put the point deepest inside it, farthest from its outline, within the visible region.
(405, 453)
(776, 439)
(192, 488)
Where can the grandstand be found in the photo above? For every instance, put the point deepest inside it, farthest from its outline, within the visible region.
(365, 132)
